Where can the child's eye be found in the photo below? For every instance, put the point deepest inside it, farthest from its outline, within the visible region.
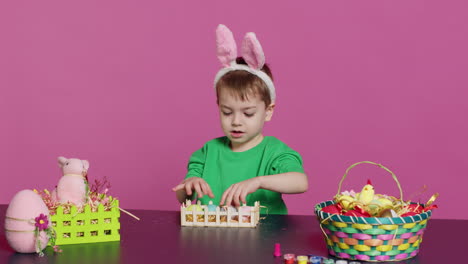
(249, 115)
(226, 113)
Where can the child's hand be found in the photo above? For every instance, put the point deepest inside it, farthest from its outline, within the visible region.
(195, 183)
(239, 191)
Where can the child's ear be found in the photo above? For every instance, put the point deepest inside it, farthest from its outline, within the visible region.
(269, 112)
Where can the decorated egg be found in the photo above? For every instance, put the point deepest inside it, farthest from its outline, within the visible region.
(211, 207)
(25, 213)
(388, 213)
(232, 209)
(195, 207)
(245, 209)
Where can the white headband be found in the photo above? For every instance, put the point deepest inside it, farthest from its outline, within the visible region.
(252, 53)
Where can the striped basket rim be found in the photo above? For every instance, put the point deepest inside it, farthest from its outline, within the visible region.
(369, 220)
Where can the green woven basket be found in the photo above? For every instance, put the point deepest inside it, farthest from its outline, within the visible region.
(87, 226)
(372, 238)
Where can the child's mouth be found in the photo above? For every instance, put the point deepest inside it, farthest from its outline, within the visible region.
(236, 134)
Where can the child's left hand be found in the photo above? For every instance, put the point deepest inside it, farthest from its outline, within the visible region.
(238, 192)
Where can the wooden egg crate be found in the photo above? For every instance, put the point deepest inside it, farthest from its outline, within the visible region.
(219, 218)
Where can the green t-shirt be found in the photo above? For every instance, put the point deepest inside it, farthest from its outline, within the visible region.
(220, 167)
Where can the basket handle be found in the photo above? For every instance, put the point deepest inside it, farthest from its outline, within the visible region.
(379, 165)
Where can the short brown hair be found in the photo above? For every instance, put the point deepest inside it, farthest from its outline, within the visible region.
(242, 83)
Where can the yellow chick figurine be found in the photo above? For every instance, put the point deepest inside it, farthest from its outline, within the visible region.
(367, 193)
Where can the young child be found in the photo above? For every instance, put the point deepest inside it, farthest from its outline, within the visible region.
(243, 166)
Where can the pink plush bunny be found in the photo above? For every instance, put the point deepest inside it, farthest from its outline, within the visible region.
(73, 186)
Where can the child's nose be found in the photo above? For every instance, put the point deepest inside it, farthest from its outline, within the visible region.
(236, 119)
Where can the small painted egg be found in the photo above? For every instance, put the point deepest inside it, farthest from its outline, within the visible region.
(232, 209)
(245, 209)
(195, 207)
(25, 206)
(388, 213)
(211, 207)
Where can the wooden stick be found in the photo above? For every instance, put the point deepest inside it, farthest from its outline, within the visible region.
(130, 214)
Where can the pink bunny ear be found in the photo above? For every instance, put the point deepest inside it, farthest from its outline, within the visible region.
(252, 51)
(226, 48)
(61, 161)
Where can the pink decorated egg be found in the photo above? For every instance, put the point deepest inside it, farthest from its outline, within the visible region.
(20, 217)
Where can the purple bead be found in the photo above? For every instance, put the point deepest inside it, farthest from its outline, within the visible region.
(401, 256)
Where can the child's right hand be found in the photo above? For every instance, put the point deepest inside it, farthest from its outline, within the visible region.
(195, 183)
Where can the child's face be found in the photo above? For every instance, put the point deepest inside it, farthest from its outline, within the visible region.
(242, 121)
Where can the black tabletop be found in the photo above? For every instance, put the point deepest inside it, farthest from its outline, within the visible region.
(159, 238)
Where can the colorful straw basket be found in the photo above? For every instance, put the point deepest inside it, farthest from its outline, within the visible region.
(372, 238)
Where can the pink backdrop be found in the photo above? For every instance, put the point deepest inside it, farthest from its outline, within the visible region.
(128, 86)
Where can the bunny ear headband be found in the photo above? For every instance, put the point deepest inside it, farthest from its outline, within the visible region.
(252, 53)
